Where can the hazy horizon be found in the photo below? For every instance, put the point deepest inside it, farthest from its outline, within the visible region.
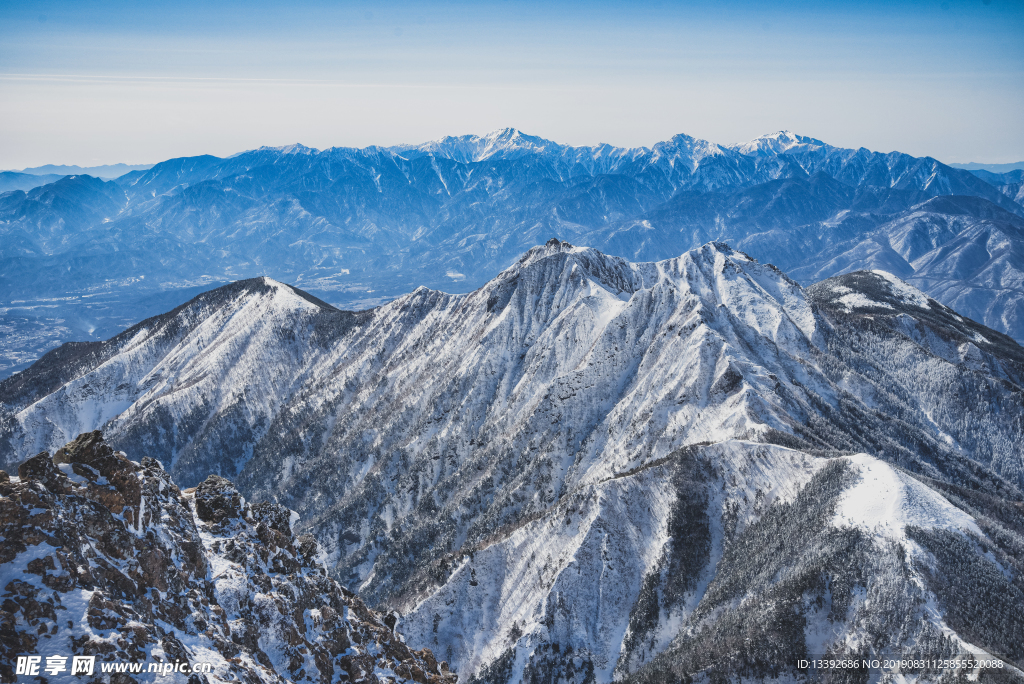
(134, 84)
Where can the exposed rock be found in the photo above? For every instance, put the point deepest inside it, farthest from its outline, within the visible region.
(216, 499)
(41, 469)
(111, 475)
(106, 557)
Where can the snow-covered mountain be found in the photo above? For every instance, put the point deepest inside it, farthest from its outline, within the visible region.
(595, 469)
(506, 143)
(781, 142)
(358, 227)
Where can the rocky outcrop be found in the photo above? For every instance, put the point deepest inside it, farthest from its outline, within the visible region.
(106, 557)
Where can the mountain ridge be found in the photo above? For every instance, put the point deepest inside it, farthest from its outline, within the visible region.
(358, 227)
(106, 171)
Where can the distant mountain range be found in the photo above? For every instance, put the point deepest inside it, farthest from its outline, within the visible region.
(992, 168)
(13, 180)
(26, 179)
(587, 470)
(82, 259)
(103, 171)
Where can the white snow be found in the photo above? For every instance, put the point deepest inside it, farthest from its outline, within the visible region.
(886, 500)
(855, 300)
(776, 143)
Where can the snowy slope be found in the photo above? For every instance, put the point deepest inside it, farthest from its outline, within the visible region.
(567, 457)
(208, 363)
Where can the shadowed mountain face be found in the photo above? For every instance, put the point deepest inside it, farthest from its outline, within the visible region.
(594, 469)
(82, 260)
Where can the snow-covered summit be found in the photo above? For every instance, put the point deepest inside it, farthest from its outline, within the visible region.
(865, 291)
(505, 143)
(903, 291)
(295, 148)
(777, 143)
(510, 143)
(692, 151)
(552, 246)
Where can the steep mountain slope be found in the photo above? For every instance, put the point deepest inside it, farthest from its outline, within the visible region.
(863, 167)
(789, 221)
(963, 251)
(556, 475)
(358, 227)
(1010, 183)
(106, 557)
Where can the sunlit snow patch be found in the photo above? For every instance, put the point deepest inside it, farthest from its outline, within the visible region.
(856, 300)
(904, 292)
(885, 500)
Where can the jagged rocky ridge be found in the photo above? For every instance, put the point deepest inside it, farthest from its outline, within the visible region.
(359, 227)
(104, 556)
(596, 469)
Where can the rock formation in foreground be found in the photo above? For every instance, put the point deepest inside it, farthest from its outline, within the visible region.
(106, 557)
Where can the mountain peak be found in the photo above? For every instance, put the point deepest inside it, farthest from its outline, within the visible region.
(295, 148)
(504, 143)
(689, 142)
(574, 411)
(772, 144)
(507, 134)
(508, 140)
(687, 149)
(871, 291)
(550, 248)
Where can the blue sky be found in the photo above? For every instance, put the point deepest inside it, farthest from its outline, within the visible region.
(91, 82)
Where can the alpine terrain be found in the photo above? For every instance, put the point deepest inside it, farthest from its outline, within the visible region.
(82, 258)
(588, 469)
